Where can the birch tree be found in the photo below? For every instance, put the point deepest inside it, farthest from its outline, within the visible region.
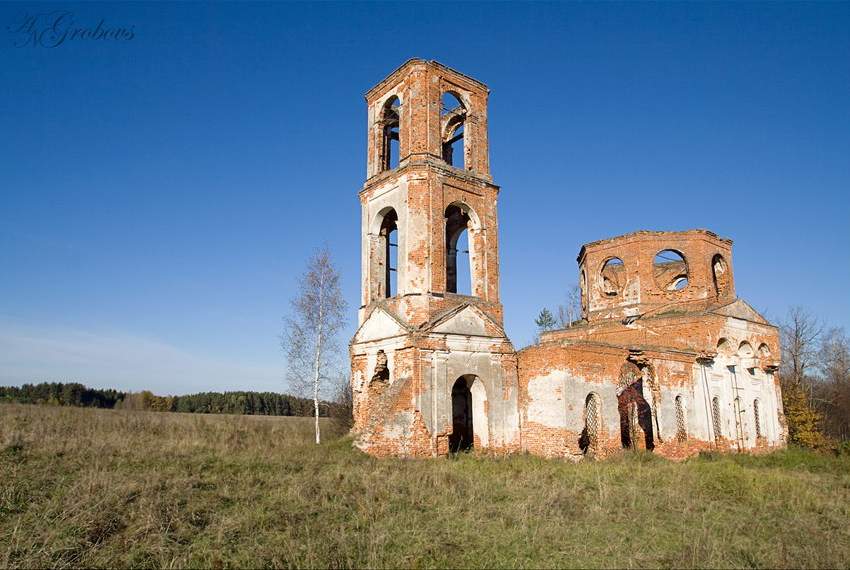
(571, 312)
(310, 331)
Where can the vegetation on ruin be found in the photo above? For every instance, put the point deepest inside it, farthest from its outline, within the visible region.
(84, 487)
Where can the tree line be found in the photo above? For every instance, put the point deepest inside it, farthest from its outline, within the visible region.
(248, 403)
(61, 394)
(815, 379)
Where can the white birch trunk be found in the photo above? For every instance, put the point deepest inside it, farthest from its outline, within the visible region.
(309, 334)
(317, 361)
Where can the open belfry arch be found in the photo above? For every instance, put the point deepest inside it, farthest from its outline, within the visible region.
(430, 359)
(665, 357)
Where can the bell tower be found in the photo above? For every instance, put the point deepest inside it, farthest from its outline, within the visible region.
(429, 184)
(430, 349)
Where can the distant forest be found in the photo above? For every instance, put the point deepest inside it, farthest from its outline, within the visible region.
(250, 403)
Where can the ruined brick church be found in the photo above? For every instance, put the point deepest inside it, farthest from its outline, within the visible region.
(665, 357)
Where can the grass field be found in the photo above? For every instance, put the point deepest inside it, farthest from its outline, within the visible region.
(103, 488)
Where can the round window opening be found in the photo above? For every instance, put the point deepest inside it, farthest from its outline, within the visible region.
(613, 277)
(671, 270)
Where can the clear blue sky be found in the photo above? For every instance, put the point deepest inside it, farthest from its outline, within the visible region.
(159, 195)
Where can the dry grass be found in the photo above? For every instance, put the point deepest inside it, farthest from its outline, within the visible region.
(101, 488)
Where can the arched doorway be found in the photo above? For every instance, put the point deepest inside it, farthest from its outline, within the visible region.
(635, 412)
(470, 425)
(462, 437)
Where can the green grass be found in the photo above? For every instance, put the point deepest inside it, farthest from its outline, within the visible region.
(103, 488)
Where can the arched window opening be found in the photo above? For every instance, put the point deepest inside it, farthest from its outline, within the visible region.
(392, 263)
(745, 350)
(740, 429)
(715, 418)
(613, 277)
(463, 284)
(681, 426)
(450, 104)
(583, 288)
(453, 115)
(457, 252)
(635, 412)
(671, 270)
(725, 347)
(462, 436)
(764, 351)
(720, 273)
(589, 439)
(389, 244)
(390, 141)
(453, 148)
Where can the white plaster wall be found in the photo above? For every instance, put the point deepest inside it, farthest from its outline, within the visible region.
(728, 383)
(556, 400)
(467, 356)
(480, 418)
